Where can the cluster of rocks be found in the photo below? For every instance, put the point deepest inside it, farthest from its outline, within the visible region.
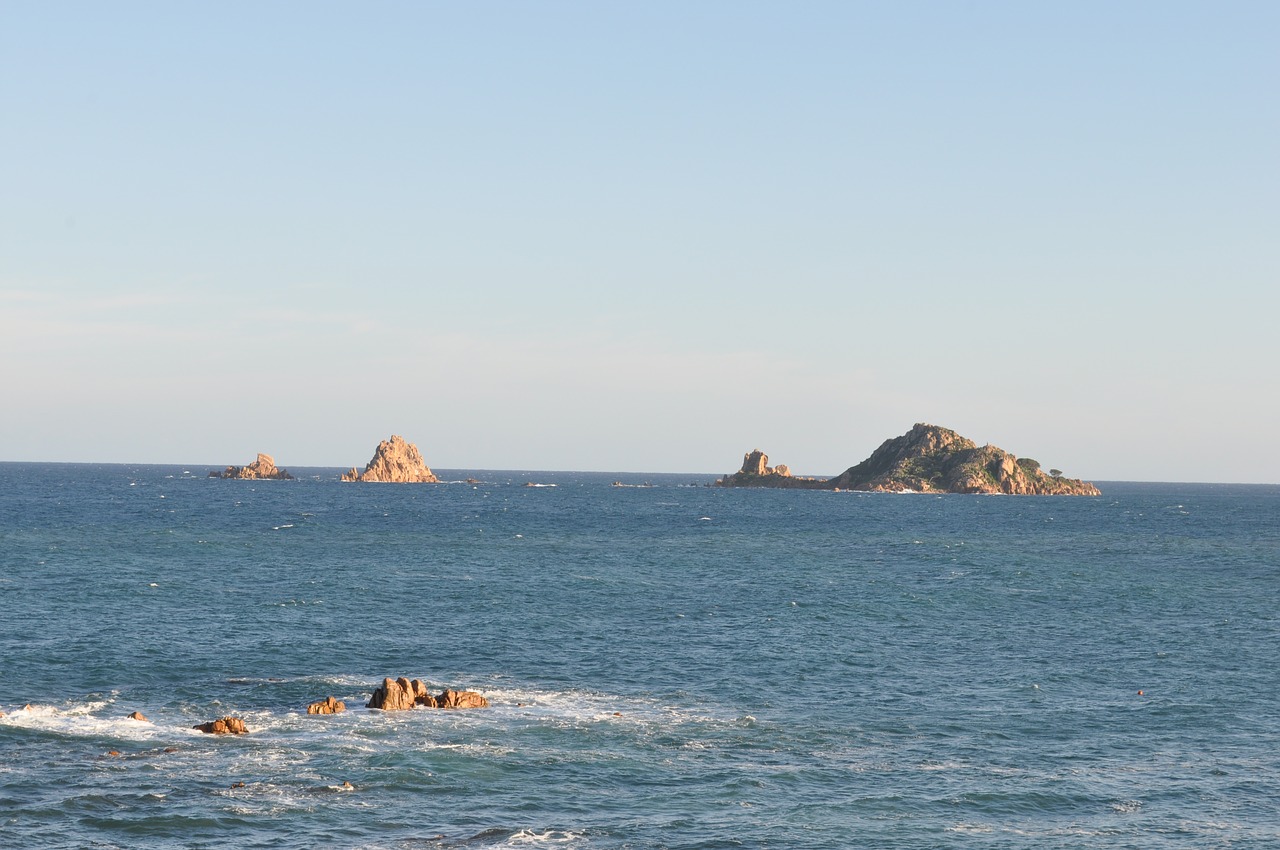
(393, 695)
(756, 472)
(262, 468)
(402, 694)
(223, 726)
(328, 705)
(394, 461)
(927, 459)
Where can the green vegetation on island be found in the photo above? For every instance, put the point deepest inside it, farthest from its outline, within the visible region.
(927, 459)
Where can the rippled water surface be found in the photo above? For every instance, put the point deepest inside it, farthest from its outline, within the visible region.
(669, 666)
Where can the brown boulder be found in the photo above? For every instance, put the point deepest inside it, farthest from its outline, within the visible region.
(420, 695)
(461, 699)
(395, 461)
(328, 705)
(225, 726)
(755, 462)
(393, 695)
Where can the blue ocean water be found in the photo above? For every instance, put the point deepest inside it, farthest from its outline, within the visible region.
(669, 666)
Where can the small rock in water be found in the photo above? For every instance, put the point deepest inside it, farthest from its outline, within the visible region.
(224, 726)
(328, 705)
(461, 699)
(138, 715)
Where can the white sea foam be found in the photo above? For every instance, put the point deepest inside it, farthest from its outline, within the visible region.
(526, 837)
(79, 721)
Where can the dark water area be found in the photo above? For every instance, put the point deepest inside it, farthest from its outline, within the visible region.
(669, 665)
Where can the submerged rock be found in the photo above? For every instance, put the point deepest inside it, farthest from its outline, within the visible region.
(394, 461)
(223, 726)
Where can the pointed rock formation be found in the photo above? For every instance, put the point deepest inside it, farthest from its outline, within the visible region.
(396, 461)
(262, 468)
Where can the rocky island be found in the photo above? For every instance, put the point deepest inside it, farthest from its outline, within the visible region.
(395, 461)
(927, 459)
(264, 468)
(756, 472)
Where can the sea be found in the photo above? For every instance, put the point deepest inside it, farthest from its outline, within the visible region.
(668, 664)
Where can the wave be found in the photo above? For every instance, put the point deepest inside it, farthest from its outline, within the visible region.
(81, 721)
(494, 837)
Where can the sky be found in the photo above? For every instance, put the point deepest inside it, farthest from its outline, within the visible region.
(641, 236)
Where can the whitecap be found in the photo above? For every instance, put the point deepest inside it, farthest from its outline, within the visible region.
(526, 837)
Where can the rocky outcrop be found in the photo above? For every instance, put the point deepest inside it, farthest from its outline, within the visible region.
(328, 705)
(394, 461)
(394, 695)
(756, 472)
(402, 694)
(931, 459)
(461, 699)
(225, 726)
(262, 468)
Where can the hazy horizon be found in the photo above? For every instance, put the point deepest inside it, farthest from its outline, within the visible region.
(607, 237)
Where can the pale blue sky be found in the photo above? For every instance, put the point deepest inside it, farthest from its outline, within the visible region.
(646, 236)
